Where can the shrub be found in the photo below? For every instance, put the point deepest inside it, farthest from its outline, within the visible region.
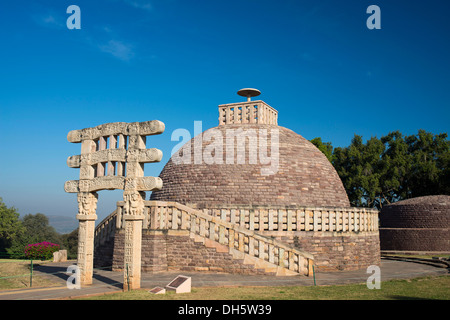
(43, 250)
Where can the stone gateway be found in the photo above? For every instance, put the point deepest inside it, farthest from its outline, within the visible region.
(112, 157)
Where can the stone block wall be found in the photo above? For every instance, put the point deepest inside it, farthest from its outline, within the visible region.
(103, 254)
(176, 250)
(337, 238)
(417, 239)
(304, 176)
(167, 250)
(335, 251)
(417, 224)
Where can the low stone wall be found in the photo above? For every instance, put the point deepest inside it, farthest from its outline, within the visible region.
(415, 239)
(416, 224)
(175, 250)
(335, 251)
(338, 238)
(162, 215)
(103, 254)
(167, 250)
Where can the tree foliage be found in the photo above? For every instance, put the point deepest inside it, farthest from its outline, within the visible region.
(16, 234)
(38, 229)
(392, 168)
(70, 243)
(10, 226)
(326, 148)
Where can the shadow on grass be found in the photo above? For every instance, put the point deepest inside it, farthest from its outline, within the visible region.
(59, 273)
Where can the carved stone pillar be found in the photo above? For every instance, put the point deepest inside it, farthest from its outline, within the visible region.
(133, 216)
(87, 205)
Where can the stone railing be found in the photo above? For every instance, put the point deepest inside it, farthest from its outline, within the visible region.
(247, 112)
(105, 229)
(299, 218)
(242, 229)
(160, 215)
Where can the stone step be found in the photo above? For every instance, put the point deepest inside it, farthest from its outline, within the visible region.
(181, 215)
(246, 259)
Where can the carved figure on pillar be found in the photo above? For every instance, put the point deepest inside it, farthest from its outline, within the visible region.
(134, 202)
(87, 203)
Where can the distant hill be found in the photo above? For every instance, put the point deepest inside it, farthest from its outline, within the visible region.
(63, 224)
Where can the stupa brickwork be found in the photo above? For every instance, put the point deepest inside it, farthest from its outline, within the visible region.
(416, 224)
(304, 176)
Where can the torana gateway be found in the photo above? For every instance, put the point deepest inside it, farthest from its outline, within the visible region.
(247, 196)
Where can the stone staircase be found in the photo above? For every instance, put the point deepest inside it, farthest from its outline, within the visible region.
(244, 245)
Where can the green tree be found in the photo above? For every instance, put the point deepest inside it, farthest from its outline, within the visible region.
(326, 148)
(382, 171)
(430, 162)
(396, 163)
(36, 229)
(360, 168)
(70, 243)
(10, 226)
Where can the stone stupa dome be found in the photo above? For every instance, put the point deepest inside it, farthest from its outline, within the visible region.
(277, 167)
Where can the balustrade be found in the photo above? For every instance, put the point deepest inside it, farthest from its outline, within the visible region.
(237, 228)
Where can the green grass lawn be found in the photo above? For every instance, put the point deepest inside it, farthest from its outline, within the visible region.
(420, 288)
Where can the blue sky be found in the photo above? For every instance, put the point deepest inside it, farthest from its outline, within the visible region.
(316, 62)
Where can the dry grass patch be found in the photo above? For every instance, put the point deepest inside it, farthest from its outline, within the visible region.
(15, 274)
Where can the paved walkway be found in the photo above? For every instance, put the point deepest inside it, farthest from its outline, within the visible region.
(109, 281)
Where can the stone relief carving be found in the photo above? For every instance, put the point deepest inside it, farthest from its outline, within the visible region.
(87, 203)
(119, 155)
(84, 185)
(71, 186)
(134, 128)
(149, 183)
(150, 155)
(74, 161)
(113, 182)
(134, 202)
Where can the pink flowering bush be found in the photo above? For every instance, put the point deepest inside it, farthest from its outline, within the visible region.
(43, 250)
